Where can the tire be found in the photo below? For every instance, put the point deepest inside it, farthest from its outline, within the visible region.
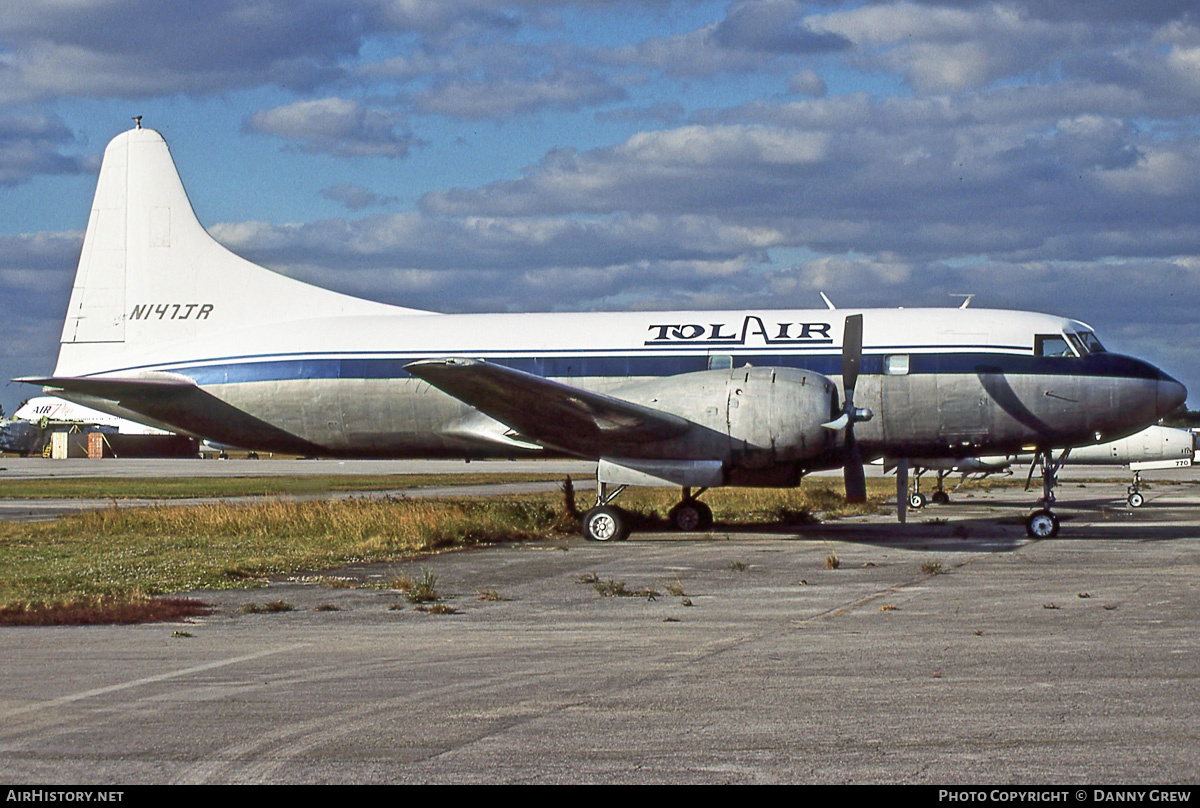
(916, 501)
(1041, 525)
(1136, 500)
(691, 516)
(605, 523)
(941, 498)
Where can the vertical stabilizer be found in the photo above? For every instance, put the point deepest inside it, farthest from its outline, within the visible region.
(149, 272)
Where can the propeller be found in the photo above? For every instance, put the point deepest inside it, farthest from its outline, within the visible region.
(855, 477)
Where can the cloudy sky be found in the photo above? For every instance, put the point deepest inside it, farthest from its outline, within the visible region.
(484, 155)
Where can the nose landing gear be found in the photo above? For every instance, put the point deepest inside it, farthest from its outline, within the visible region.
(1136, 500)
(1043, 524)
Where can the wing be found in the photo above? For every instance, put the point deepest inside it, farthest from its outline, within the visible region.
(547, 412)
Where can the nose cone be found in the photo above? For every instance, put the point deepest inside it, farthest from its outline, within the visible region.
(1171, 395)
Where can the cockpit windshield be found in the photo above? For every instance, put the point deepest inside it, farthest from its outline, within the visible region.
(1090, 342)
(1052, 345)
(1068, 343)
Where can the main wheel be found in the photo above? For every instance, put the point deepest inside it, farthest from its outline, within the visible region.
(941, 498)
(1041, 525)
(1136, 500)
(606, 523)
(916, 501)
(691, 515)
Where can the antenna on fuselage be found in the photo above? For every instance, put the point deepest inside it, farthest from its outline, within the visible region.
(967, 298)
(828, 302)
(137, 121)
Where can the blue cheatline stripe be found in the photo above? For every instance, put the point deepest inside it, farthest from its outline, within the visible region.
(1096, 365)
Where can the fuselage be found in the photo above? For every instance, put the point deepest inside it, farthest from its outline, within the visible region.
(941, 382)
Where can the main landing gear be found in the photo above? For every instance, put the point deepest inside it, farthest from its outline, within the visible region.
(1043, 524)
(607, 522)
(691, 514)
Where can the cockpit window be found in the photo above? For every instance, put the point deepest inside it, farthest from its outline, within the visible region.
(1089, 340)
(1077, 343)
(1051, 345)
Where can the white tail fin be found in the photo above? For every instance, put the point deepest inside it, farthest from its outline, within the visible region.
(150, 273)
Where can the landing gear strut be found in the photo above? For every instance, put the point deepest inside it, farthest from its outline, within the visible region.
(1136, 500)
(1043, 524)
(940, 497)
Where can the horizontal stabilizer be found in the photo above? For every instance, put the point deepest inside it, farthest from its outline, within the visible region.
(551, 413)
(176, 401)
(114, 388)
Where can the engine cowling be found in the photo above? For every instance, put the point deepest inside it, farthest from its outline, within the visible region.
(748, 417)
(775, 415)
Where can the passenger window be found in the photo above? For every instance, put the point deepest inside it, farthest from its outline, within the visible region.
(895, 364)
(1051, 345)
(720, 361)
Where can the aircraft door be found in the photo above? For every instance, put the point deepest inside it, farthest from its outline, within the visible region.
(900, 421)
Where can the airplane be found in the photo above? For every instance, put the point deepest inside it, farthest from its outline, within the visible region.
(167, 326)
(27, 431)
(1155, 447)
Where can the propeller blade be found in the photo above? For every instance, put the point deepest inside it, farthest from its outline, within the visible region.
(902, 490)
(855, 476)
(851, 355)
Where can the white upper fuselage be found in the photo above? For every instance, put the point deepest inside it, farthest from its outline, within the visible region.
(739, 334)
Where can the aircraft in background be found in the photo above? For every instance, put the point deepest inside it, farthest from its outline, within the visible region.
(27, 432)
(166, 325)
(1156, 447)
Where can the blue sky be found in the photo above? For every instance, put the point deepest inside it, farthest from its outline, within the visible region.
(470, 155)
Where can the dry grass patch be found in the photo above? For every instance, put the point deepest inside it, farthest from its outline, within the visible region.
(123, 553)
(617, 589)
(270, 607)
(87, 610)
(437, 608)
(418, 590)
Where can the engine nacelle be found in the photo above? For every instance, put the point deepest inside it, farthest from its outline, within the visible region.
(748, 417)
